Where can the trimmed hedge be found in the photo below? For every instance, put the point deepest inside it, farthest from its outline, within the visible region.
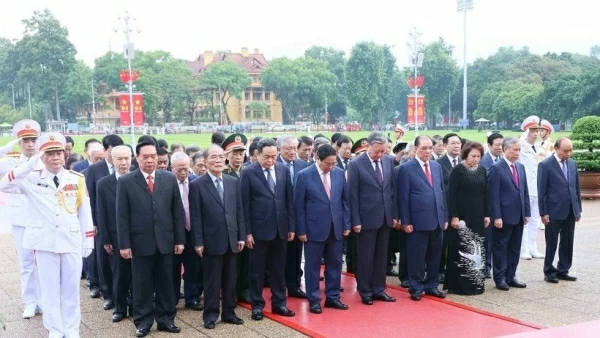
(586, 137)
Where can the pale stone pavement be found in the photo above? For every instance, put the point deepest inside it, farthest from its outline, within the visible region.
(540, 303)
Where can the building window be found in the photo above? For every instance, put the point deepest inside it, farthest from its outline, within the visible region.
(267, 96)
(255, 78)
(257, 96)
(247, 96)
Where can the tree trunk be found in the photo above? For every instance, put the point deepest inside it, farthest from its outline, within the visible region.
(57, 106)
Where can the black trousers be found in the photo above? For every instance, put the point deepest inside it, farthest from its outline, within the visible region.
(122, 288)
(293, 265)
(220, 274)
(487, 244)
(424, 249)
(444, 256)
(272, 254)
(105, 276)
(153, 296)
(372, 261)
(352, 253)
(243, 272)
(192, 275)
(565, 229)
(402, 261)
(507, 251)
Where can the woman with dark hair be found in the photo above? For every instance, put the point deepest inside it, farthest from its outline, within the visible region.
(468, 209)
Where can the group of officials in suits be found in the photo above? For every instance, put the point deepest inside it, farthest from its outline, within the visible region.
(149, 219)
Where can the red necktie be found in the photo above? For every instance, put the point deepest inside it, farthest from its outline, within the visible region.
(515, 174)
(428, 174)
(150, 183)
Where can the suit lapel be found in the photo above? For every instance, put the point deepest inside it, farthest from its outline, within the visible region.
(261, 176)
(319, 181)
(104, 167)
(139, 179)
(158, 180)
(420, 172)
(210, 185)
(558, 169)
(112, 183)
(369, 166)
(509, 172)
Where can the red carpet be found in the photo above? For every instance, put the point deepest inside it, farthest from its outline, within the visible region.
(580, 330)
(430, 317)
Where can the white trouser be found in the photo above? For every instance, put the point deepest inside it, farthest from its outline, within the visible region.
(60, 275)
(529, 243)
(29, 283)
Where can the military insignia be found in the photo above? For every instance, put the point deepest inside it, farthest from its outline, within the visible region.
(238, 138)
(27, 126)
(364, 143)
(52, 138)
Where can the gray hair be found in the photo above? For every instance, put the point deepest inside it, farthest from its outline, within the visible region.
(115, 150)
(179, 156)
(376, 137)
(192, 148)
(319, 141)
(509, 142)
(209, 148)
(282, 140)
(94, 147)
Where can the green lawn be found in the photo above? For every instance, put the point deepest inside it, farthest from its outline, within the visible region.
(204, 139)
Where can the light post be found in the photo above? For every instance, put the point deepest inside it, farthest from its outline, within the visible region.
(13, 95)
(416, 60)
(129, 50)
(464, 6)
(29, 98)
(93, 101)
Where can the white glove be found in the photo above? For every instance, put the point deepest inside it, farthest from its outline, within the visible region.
(8, 147)
(33, 161)
(86, 252)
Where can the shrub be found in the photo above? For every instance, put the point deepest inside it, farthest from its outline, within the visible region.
(586, 137)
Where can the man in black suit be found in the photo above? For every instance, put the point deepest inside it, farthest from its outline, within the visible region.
(106, 197)
(192, 265)
(373, 213)
(344, 150)
(93, 173)
(288, 150)
(268, 202)
(217, 219)
(452, 143)
(151, 227)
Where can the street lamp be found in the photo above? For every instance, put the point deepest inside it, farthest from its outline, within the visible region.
(129, 50)
(13, 96)
(416, 60)
(464, 6)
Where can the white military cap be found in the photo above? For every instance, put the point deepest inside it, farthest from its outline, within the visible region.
(547, 125)
(50, 142)
(399, 128)
(531, 122)
(26, 129)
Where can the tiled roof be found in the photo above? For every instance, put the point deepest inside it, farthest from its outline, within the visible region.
(253, 63)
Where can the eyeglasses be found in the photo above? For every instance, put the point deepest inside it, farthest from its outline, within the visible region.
(216, 157)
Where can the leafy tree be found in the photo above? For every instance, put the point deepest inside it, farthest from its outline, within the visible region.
(595, 51)
(282, 77)
(258, 110)
(364, 77)
(78, 89)
(230, 78)
(336, 62)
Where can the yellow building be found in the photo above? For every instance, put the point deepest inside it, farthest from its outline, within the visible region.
(254, 64)
(107, 111)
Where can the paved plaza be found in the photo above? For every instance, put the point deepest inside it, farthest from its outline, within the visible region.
(540, 303)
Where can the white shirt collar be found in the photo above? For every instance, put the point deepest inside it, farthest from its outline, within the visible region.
(421, 163)
(117, 175)
(146, 175)
(321, 171)
(213, 178)
(108, 164)
(557, 158)
(507, 161)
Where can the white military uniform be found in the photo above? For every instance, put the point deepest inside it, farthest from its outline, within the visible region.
(61, 232)
(529, 159)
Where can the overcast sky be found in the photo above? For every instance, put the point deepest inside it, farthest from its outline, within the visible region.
(288, 27)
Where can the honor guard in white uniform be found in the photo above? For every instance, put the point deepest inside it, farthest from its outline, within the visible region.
(26, 133)
(399, 131)
(529, 158)
(547, 145)
(60, 232)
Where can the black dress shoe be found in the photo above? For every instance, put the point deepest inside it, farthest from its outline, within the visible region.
(566, 277)
(195, 306)
(117, 317)
(315, 308)
(367, 300)
(551, 279)
(283, 311)
(171, 328)
(435, 293)
(108, 304)
(517, 284)
(95, 293)
(442, 277)
(257, 315)
(405, 284)
(335, 304)
(502, 286)
(487, 274)
(391, 273)
(209, 325)
(384, 297)
(234, 321)
(246, 300)
(141, 332)
(297, 293)
(416, 296)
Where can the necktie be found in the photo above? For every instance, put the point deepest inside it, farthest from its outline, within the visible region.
(533, 147)
(111, 169)
(186, 205)
(564, 169)
(378, 172)
(219, 188)
(428, 174)
(345, 164)
(291, 166)
(150, 183)
(515, 175)
(270, 180)
(453, 163)
(55, 179)
(326, 185)
(496, 159)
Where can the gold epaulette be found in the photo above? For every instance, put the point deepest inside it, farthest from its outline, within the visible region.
(13, 154)
(76, 173)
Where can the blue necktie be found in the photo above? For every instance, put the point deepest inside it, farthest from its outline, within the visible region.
(564, 170)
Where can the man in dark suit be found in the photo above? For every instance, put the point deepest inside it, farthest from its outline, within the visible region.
(151, 227)
(218, 229)
(510, 210)
(373, 213)
(424, 216)
(452, 144)
(322, 221)
(401, 243)
(344, 150)
(559, 200)
(268, 202)
(493, 155)
(288, 150)
(192, 265)
(85, 163)
(106, 197)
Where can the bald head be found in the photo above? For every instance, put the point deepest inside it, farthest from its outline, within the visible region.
(563, 148)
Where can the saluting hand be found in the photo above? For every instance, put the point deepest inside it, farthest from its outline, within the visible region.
(179, 249)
